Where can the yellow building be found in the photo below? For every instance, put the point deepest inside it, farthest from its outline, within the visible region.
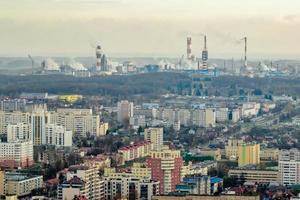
(11, 197)
(155, 136)
(99, 161)
(248, 153)
(19, 184)
(2, 183)
(138, 170)
(103, 129)
(269, 154)
(69, 98)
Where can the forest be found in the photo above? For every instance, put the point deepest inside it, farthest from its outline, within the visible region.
(148, 84)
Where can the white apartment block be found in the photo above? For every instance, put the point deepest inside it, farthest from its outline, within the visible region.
(138, 121)
(16, 154)
(81, 180)
(130, 187)
(289, 166)
(19, 131)
(79, 121)
(16, 117)
(204, 117)
(184, 116)
(58, 136)
(250, 109)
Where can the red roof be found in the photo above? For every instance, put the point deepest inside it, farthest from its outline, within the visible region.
(135, 145)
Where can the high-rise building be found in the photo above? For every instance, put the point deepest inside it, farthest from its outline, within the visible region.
(16, 154)
(234, 115)
(79, 121)
(19, 131)
(12, 105)
(155, 136)
(231, 148)
(15, 117)
(221, 114)
(165, 165)
(204, 117)
(81, 180)
(184, 116)
(128, 186)
(289, 166)
(58, 136)
(125, 111)
(38, 118)
(248, 154)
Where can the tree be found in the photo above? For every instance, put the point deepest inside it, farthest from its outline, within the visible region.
(257, 92)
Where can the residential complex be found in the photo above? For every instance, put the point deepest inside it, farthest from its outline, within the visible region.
(248, 154)
(165, 165)
(289, 166)
(16, 154)
(12, 183)
(155, 136)
(81, 180)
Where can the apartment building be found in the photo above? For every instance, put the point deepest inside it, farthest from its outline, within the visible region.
(16, 154)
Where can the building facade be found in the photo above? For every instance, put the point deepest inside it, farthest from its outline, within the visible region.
(155, 136)
(13, 183)
(81, 180)
(125, 111)
(165, 165)
(57, 136)
(16, 154)
(248, 154)
(289, 166)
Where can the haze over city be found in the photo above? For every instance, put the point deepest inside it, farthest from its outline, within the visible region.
(149, 28)
(149, 100)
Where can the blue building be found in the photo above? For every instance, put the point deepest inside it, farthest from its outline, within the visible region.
(200, 185)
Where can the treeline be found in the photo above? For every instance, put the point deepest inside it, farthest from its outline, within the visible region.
(141, 84)
(148, 85)
(234, 85)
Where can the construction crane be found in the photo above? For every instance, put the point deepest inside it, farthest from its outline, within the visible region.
(32, 63)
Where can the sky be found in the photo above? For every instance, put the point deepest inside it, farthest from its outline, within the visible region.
(150, 27)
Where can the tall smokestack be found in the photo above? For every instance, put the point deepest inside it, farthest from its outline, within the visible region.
(98, 57)
(204, 53)
(245, 58)
(189, 48)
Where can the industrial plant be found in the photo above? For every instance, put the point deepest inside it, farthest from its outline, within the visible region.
(191, 63)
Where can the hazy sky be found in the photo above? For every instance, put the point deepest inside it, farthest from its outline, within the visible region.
(149, 27)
